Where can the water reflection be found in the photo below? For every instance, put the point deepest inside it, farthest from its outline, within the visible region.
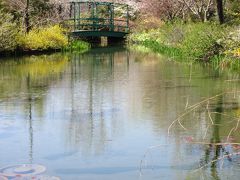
(30, 120)
(93, 115)
(94, 108)
(24, 84)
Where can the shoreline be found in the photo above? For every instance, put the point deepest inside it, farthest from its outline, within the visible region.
(20, 53)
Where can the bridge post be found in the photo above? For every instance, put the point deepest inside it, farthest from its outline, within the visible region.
(92, 15)
(79, 15)
(111, 17)
(127, 18)
(96, 20)
(74, 7)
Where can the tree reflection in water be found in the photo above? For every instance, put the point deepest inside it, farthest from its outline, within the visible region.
(93, 105)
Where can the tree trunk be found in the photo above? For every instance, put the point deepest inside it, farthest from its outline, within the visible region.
(205, 16)
(27, 20)
(220, 11)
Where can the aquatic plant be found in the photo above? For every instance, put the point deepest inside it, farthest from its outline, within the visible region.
(78, 46)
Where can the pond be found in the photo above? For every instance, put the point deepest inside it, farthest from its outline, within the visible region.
(113, 113)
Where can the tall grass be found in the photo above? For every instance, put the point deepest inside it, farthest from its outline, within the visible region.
(161, 48)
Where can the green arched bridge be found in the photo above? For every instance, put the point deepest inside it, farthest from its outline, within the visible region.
(97, 19)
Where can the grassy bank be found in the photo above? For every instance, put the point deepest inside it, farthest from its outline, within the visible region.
(206, 42)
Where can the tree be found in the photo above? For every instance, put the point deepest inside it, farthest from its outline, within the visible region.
(163, 9)
(30, 13)
(220, 11)
(201, 8)
(27, 20)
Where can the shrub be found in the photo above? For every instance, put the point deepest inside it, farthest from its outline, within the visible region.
(193, 40)
(200, 40)
(44, 39)
(8, 32)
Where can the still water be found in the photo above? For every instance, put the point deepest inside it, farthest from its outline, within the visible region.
(110, 114)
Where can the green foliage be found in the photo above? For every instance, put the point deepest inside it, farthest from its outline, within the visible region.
(157, 47)
(1, 5)
(171, 34)
(200, 40)
(52, 37)
(78, 46)
(232, 11)
(194, 41)
(189, 41)
(233, 6)
(8, 32)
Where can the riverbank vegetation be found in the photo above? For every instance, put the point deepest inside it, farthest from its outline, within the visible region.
(204, 30)
(34, 26)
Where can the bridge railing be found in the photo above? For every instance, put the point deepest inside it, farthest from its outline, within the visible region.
(98, 16)
(98, 24)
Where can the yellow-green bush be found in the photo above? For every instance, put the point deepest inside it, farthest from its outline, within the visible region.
(43, 39)
(236, 52)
